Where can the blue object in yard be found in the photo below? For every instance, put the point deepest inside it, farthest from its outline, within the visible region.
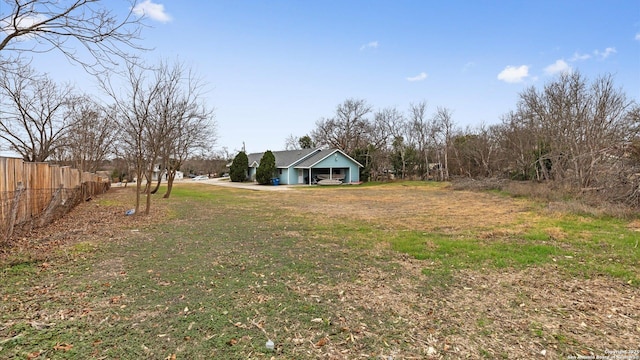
(275, 181)
(130, 212)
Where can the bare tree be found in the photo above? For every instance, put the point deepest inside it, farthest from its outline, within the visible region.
(163, 120)
(418, 136)
(347, 130)
(39, 26)
(475, 152)
(443, 122)
(291, 143)
(380, 137)
(575, 124)
(186, 122)
(138, 143)
(32, 118)
(92, 133)
(522, 150)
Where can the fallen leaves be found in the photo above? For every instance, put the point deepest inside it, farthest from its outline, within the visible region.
(63, 347)
(322, 342)
(33, 355)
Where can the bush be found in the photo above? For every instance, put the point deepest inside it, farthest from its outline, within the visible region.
(239, 166)
(267, 168)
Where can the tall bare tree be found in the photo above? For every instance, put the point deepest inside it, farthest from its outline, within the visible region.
(91, 134)
(381, 132)
(39, 26)
(347, 130)
(418, 136)
(163, 120)
(32, 118)
(186, 123)
(134, 109)
(443, 122)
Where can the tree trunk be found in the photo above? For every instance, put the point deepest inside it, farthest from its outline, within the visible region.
(138, 190)
(155, 190)
(171, 176)
(147, 208)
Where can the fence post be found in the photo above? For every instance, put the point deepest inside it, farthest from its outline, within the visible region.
(13, 214)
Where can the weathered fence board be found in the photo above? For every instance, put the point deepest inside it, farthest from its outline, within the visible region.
(28, 189)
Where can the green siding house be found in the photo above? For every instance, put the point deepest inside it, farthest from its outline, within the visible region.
(310, 166)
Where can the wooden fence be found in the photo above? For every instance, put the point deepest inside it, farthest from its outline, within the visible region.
(40, 192)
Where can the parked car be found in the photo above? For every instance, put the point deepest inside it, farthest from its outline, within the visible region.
(201, 177)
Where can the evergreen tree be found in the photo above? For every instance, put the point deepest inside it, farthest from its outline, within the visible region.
(238, 170)
(267, 168)
(305, 142)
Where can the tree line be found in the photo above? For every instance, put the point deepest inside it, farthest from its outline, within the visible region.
(581, 133)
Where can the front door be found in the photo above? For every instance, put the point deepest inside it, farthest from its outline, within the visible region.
(300, 176)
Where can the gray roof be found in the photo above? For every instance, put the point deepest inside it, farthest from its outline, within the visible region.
(321, 155)
(284, 159)
(287, 158)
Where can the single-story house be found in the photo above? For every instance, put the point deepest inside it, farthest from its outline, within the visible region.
(309, 166)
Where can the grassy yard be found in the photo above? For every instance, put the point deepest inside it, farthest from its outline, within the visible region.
(392, 271)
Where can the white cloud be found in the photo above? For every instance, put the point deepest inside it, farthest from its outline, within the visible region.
(560, 66)
(370, 45)
(154, 11)
(514, 74)
(419, 77)
(579, 57)
(638, 36)
(22, 22)
(606, 53)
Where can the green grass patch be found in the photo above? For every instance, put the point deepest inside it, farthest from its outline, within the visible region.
(460, 252)
(584, 245)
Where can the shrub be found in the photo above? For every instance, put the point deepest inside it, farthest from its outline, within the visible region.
(239, 166)
(267, 168)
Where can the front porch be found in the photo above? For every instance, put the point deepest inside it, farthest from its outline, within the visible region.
(315, 175)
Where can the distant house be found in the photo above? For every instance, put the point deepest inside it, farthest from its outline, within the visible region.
(158, 172)
(310, 166)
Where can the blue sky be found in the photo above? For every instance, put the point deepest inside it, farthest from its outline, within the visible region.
(273, 68)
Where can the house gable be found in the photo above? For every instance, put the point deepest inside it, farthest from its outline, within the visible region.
(324, 158)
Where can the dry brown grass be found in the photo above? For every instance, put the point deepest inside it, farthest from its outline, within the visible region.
(558, 196)
(412, 207)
